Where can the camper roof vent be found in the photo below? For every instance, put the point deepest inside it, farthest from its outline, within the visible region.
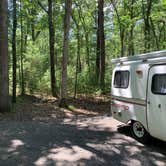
(144, 57)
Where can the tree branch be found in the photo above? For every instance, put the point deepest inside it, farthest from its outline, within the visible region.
(41, 5)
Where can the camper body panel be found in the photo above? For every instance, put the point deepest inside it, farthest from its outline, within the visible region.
(156, 99)
(129, 109)
(136, 81)
(130, 103)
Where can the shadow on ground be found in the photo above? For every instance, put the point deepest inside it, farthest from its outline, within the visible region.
(154, 143)
(45, 108)
(87, 141)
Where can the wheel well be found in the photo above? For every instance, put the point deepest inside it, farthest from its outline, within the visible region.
(130, 121)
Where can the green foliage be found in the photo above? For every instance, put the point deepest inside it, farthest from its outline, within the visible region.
(36, 53)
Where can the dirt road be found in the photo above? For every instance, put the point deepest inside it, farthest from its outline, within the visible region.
(90, 141)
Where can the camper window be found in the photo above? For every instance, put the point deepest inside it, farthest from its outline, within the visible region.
(159, 84)
(121, 79)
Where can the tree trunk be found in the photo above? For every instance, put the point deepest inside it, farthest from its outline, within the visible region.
(155, 35)
(147, 36)
(52, 51)
(122, 34)
(77, 61)
(4, 80)
(86, 33)
(164, 34)
(131, 35)
(102, 62)
(121, 28)
(100, 58)
(21, 53)
(68, 5)
(87, 48)
(146, 10)
(131, 42)
(14, 50)
(98, 52)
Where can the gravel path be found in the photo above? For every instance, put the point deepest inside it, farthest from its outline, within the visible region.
(89, 141)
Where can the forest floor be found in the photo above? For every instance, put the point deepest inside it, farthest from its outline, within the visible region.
(93, 141)
(40, 133)
(44, 108)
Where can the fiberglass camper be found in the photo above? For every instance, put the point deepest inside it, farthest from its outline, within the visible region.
(138, 94)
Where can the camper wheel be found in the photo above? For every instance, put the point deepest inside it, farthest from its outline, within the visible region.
(139, 132)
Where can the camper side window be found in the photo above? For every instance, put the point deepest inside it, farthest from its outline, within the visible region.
(159, 84)
(121, 79)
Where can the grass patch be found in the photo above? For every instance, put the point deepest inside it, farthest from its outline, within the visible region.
(72, 108)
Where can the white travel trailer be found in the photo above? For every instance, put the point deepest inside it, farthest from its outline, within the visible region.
(138, 94)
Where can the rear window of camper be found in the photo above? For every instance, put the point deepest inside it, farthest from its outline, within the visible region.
(159, 84)
(121, 79)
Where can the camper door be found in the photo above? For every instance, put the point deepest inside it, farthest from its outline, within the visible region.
(156, 102)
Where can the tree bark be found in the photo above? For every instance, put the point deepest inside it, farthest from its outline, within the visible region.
(4, 80)
(86, 33)
(98, 52)
(121, 28)
(68, 5)
(155, 35)
(21, 53)
(14, 50)
(146, 10)
(78, 61)
(131, 35)
(102, 45)
(51, 45)
(52, 49)
(100, 57)
(87, 48)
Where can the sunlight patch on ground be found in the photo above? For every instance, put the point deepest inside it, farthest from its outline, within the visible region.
(72, 112)
(73, 154)
(160, 163)
(15, 144)
(131, 162)
(96, 123)
(83, 111)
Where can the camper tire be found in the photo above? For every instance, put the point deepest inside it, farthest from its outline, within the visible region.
(139, 132)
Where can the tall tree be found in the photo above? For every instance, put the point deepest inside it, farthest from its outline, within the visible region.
(51, 44)
(22, 51)
(4, 81)
(100, 57)
(14, 49)
(121, 27)
(78, 60)
(131, 33)
(68, 6)
(52, 49)
(98, 50)
(86, 31)
(146, 12)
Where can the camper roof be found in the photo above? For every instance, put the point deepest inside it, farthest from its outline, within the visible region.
(143, 57)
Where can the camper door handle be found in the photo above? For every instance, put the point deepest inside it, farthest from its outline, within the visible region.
(148, 102)
(159, 105)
